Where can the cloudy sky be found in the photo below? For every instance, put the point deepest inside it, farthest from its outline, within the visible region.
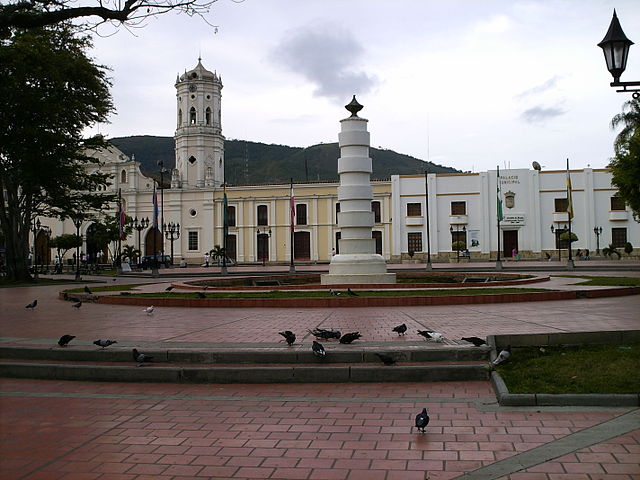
(464, 83)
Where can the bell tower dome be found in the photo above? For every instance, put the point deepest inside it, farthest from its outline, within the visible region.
(199, 139)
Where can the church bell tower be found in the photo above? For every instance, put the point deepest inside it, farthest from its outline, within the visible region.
(199, 139)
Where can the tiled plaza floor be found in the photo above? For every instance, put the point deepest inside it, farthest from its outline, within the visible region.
(108, 431)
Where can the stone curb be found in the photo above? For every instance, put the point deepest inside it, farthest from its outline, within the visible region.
(276, 374)
(544, 399)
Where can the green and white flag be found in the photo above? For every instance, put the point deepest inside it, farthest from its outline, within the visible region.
(499, 196)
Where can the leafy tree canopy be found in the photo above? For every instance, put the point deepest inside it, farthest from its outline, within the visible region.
(50, 91)
(625, 165)
(29, 14)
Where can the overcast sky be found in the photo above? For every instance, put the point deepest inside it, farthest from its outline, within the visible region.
(464, 83)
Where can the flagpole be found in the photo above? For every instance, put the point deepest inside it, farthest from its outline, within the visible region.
(225, 228)
(498, 214)
(121, 230)
(292, 267)
(570, 264)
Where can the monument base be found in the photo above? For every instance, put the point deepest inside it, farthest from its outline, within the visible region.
(351, 269)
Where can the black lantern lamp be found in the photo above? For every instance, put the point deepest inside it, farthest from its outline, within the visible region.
(615, 46)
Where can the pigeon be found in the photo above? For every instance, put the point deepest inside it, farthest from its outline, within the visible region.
(87, 290)
(77, 305)
(401, 329)
(386, 359)
(65, 339)
(475, 340)
(325, 334)
(200, 295)
(148, 310)
(429, 335)
(351, 293)
(334, 293)
(422, 420)
(503, 355)
(289, 336)
(104, 343)
(318, 350)
(141, 357)
(169, 288)
(33, 304)
(350, 337)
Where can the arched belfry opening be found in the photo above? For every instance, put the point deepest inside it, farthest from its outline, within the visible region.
(207, 116)
(192, 116)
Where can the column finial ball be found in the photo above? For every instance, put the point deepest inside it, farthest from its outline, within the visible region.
(354, 107)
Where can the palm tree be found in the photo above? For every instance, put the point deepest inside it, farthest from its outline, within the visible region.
(217, 252)
(130, 252)
(629, 118)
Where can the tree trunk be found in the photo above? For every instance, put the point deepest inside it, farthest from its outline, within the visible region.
(16, 231)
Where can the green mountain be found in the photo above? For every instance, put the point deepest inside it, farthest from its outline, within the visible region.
(252, 162)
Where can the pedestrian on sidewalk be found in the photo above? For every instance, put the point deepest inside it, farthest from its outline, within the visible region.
(206, 259)
(587, 254)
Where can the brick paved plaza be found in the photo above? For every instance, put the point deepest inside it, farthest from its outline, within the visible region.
(86, 430)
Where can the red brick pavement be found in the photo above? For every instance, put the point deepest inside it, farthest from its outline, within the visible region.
(73, 430)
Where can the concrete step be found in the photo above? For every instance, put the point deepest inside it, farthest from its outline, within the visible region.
(317, 373)
(279, 355)
(344, 363)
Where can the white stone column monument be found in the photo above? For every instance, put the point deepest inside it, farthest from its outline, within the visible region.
(357, 261)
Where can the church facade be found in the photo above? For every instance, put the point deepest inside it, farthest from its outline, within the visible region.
(461, 207)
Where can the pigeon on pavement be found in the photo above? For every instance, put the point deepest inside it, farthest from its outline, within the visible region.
(77, 305)
(400, 329)
(475, 340)
(429, 335)
(318, 350)
(350, 337)
(104, 343)
(351, 293)
(289, 336)
(334, 293)
(141, 357)
(65, 339)
(32, 305)
(503, 355)
(148, 310)
(87, 290)
(422, 420)
(386, 359)
(325, 334)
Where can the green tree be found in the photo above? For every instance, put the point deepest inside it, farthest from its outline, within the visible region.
(628, 248)
(130, 252)
(29, 14)
(217, 252)
(50, 91)
(65, 242)
(610, 251)
(625, 165)
(564, 237)
(107, 233)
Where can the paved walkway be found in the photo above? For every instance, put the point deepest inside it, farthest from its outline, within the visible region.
(75, 430)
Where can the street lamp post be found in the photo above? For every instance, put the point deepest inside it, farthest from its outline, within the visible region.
(457, 230)
(162, 172)
(139, 226)
(78, 223)
(35, 228)
(172, 231)
(426, 214)
(615, 46)
(597, 231)
(47, 233)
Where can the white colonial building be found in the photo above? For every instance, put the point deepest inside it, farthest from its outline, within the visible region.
(462, 207)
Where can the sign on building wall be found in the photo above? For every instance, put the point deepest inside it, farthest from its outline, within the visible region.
(513, 219)
(474, 239)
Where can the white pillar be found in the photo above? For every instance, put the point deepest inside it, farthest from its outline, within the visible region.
(357, 261)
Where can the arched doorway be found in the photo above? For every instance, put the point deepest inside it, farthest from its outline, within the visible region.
(302, 246)
(96, 251)
(151, 244)
(43, 252)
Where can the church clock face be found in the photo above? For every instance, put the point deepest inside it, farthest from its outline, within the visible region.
(193, 87)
